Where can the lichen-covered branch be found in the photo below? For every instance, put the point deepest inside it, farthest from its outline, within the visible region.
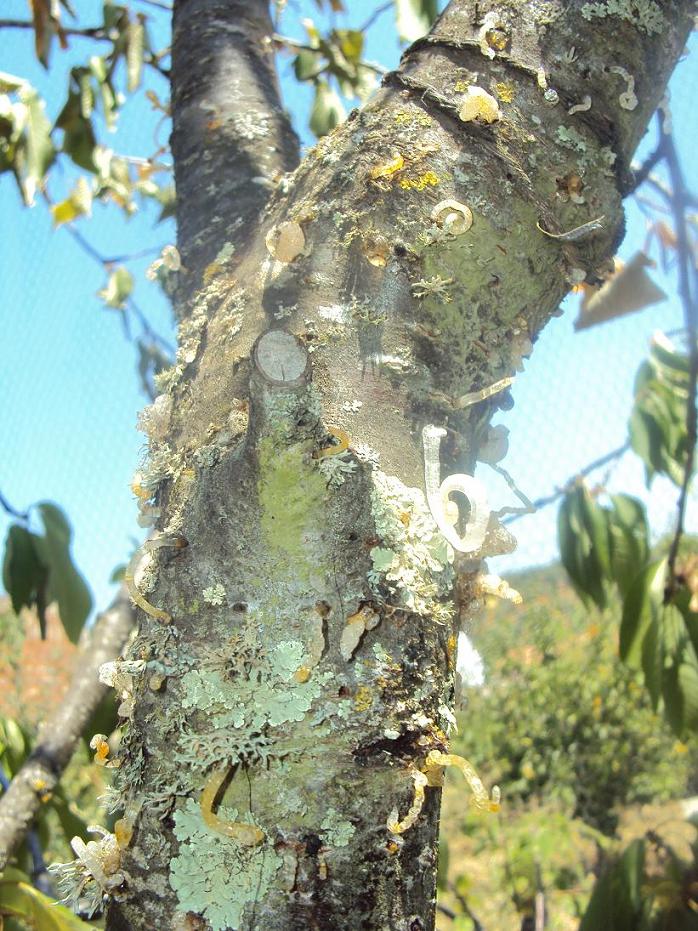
(300, 668)
(60, 733)
(231, 140)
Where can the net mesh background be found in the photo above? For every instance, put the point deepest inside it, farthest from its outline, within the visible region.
(69, 391)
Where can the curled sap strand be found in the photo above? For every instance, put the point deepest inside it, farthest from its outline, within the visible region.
(452, 216)
(399, 827)
(473, 397)
(628, 99)
(435, 763)
(165, 539)
(438, 496)
(336, 448)
(431, 774)
(579, 232)
(246, 834)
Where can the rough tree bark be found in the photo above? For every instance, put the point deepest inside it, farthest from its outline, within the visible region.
(300, 664)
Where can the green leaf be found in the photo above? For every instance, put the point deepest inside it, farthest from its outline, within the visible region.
(135, 45)
(688, 684)
(8, 82)
(307, 64)
(77, 205)
(616, 903)
(19, 899)
(583, 541)
(22, 568)
(595, 520)
(118, 288)
(71, 824)
(640, 607)
(14, 745)
(414, 17)
(653, 661)
(351, 42)
(79, 141)
(682, 601)
(667, 359)
(327, 111)
(629, 539)
(673, 699)
(118, 573)
(658, 422)
(66, 584)
(37, 153)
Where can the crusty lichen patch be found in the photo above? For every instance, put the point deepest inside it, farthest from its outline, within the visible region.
(646, 15)
(413, 561)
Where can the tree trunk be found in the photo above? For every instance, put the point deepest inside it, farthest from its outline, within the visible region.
(300, 664)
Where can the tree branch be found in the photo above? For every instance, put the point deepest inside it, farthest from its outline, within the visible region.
(226, 105)
(94, 33)
(40, 876)
(13, 512)
(105, 262)
(88, 32)
(560, 490)
(61, 732)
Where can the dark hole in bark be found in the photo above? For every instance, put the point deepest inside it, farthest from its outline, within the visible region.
(313, 843)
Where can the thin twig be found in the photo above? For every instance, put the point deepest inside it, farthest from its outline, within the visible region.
(105, 262)
(560, 490)
(528, 506)
(89, 32)
(13, 512)
(679, 202)
(94, 33)
(158, 4)
(463, 902)
(642, 173)
(383, 8)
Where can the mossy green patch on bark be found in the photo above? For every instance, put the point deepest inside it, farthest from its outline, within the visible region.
(291, 496)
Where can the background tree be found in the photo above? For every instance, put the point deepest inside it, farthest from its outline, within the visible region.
(414, 272)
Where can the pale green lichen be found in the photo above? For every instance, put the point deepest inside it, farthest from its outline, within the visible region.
(338, 833)
(335, 469)
(571, 139)
(242, 709)
(213, 875)
(214, 594)
(415, 561)
(645, 14)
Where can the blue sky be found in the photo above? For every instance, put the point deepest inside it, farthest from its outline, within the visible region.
(67, 374)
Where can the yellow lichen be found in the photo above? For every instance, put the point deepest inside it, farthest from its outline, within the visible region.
(386, 169)
(419, 183)
(363, 699)
(403, 118)
(505, 91)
